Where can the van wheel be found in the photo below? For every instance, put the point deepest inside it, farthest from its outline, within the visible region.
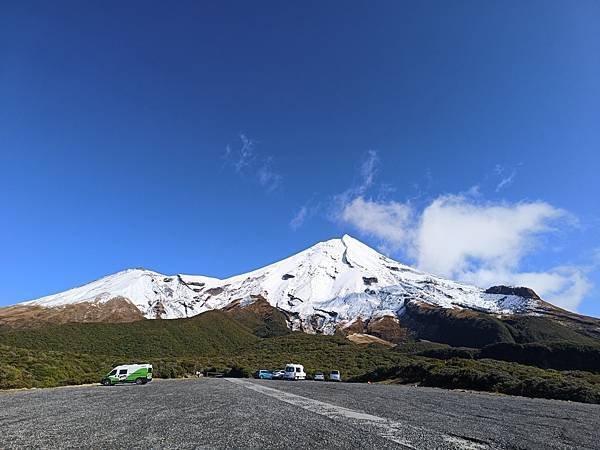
(139, 381)
(106, 382)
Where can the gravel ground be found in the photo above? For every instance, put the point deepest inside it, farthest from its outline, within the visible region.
(220, 413)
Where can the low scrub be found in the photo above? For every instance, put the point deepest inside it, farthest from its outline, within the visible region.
(494, 376)
(237, 345)
(559, 355)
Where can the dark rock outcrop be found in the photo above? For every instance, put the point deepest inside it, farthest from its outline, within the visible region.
(214, 291)
(524, 292)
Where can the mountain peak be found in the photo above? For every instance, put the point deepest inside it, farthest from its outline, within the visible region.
(348, 238)
(320, 288)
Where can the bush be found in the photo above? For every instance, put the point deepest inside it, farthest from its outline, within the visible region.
(450, 352)
(495, 376)
(239, 372)
(559, 355)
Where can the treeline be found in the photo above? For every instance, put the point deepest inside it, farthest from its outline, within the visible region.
(494, 376)
(560, 355)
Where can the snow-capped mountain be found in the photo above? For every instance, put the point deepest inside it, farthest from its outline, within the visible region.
(324, 287)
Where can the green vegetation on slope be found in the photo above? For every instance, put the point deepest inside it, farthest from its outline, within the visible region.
(494, 376)
(559, 355)
(211, 333)
(465, 328)
(227, 341)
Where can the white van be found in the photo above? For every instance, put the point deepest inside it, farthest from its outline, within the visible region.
(294, 372)
(128, 373)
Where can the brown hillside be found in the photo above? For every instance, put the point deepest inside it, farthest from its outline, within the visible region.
(116, 310)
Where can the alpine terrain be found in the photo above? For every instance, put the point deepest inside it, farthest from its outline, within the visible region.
(339, 285)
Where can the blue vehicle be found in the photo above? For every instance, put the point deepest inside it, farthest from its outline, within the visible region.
(264, 375)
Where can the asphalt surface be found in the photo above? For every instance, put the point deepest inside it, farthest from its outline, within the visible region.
(235, 413)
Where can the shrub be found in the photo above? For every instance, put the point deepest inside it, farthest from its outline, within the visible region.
(450, 352)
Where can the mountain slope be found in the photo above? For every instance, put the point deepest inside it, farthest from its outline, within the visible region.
(212, 333)
(339, 284)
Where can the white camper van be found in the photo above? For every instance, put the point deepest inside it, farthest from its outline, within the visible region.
(128, 373)
(294, 372)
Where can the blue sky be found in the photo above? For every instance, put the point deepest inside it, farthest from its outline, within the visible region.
(459, 137)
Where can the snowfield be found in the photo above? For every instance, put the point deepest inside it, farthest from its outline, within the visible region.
(335, 281)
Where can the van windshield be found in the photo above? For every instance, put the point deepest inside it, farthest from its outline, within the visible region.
(289, 369)
(114, 372)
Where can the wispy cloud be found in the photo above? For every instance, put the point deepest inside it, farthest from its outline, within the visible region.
(368, 170)
(366, 177)
(506, 177)
(306, 211)
(248, 162)
(267, 177)
(299, 218)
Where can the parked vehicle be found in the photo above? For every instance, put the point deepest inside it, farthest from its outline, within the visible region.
(278, 374)
(128, 373)
(263, 374)
(334, 375)
(294, 372)
(319, 376)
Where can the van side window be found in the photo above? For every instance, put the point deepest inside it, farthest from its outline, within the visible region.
(149, 369)
(122, 371)
(297, 369)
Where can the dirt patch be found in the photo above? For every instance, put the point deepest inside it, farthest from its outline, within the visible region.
(387, 328)
(366, 339)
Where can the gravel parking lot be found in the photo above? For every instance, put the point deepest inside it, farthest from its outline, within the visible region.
(225, 413)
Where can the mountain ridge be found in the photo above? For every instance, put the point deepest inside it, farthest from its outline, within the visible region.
(333, 285)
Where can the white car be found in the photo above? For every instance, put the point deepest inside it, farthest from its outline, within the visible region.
(319, 376)
(334, 375)
(294, 372)
(278, 374)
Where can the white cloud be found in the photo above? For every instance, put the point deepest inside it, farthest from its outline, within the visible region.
(463, 238)
(389, 221)
(565, 286)
(456, 234)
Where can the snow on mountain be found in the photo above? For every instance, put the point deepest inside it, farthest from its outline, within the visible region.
(327, 285)
(152, 293)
